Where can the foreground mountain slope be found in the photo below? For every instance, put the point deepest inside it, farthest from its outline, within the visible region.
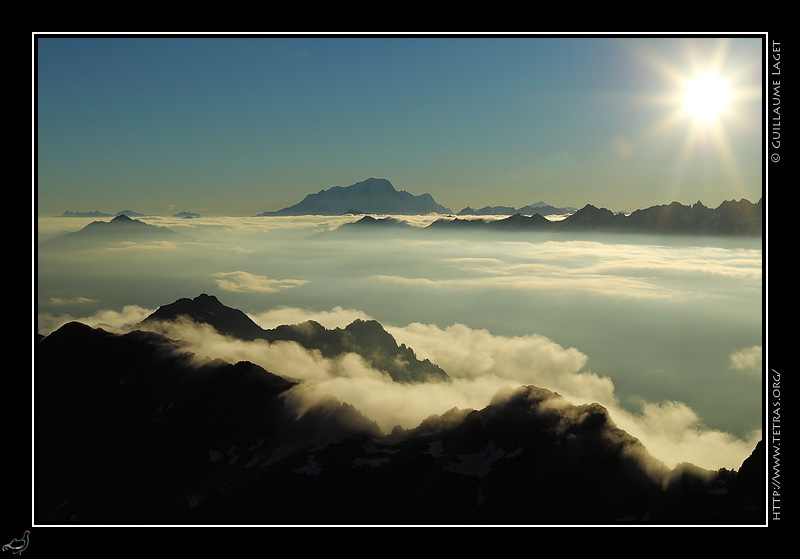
(129, 431)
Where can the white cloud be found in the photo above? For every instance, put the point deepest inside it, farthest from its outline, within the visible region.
(480, 365)
(143, 246)
(245, 282)
(628, 271)
(390, 404)
(672, 432)
(471, 353)
(337, 317)
(747, 359)
(347, 378)
(252, 224)
(532, 281)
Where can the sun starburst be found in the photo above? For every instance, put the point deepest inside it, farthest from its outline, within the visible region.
(703, 99)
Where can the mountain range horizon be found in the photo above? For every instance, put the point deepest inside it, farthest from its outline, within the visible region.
(379, 197)
(732, 218)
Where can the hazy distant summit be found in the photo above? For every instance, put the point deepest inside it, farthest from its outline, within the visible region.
(539, 208)
(119, 229)
(99, 214)
(371, 196)
(95, 213)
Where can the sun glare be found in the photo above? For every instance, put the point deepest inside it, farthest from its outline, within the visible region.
(706, 97)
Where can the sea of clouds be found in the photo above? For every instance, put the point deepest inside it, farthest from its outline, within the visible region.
(665, 333)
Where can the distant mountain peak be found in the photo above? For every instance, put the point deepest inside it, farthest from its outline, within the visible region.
(94, 213)
(371, 196)
(736, 218)
(368, 221)
(130, 213)
(120, 228)
(374, 184)
(540, 208)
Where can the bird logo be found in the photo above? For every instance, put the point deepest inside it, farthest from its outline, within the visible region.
(17, 546)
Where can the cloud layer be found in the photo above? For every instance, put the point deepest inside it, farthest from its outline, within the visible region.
(481, 366)
(648, 327)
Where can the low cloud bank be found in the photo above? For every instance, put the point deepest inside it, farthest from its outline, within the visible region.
(670, 430)
(481, 366)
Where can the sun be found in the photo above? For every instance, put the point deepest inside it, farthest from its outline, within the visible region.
(706, 97)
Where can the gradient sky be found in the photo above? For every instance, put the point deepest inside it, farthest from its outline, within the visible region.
(237, 126)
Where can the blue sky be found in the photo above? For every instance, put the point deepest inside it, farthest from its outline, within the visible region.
(237, 126)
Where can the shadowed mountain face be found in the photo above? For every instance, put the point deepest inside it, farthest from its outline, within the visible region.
(129, 431)
(376, 196)
(368, 338)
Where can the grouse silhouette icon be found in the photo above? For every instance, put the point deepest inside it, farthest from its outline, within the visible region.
(17, 546)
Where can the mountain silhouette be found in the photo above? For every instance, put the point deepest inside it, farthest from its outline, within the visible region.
(592, 218)
(119, 229)
(380, 222)
(367, 339)
(130, 213)
(129, 431)
(730, 218)
(372, 196)
(540, 208)
(207, 309)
